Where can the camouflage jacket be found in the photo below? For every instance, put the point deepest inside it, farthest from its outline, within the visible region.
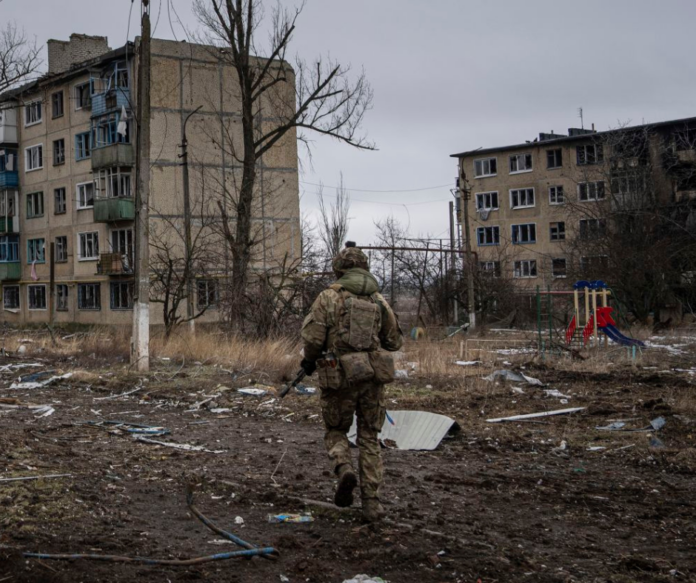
(319, 329)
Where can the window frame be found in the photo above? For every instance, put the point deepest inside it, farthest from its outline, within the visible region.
(35, 196)
(560, 231)
(37, 286)
(597, 154)
(79, 106)
(526, 157)
(130, 289)
(83, 147)
(553, 267)
(54, 95)
(587, 185)
(490, 267)
(216, 293)
(482, 160)
(526, 195)
(518, 227)
(81, 287)
(62, 306)
(57, 162)
(495, 240)
(519, 273)
(553, 151)
(556, 188)
(490, 195)
(32, 256)
(28, 155)
(55, 200)
(18, 296)
(78, 202)
(588, 232)
(62, 249)
(27, 106)
(95, 246)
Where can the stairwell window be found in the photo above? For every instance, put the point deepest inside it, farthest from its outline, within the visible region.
(88, 296)
(35, 205)
(487, 201)
(558, 267)
(85, 195)
(32, 113)
(485, 167)
(83, 146)
(57, 104)
(591, 191)
(59, 201)
(520, 163)
(59, 152)
(83, 96)
(61, 249)
(88, 246)
(33, 158)
(525, 268)
(37, 297)
(556, 195)
(557, 231)
(521, 198)
(488, 236)
(524, 234)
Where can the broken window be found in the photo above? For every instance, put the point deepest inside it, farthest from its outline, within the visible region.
(522, 198)
(522, 234)
(589, 154)
(89, 296)
(486, 201)
(556, 195)
(558, 267)
(588, 191)
(525, 268)
(554, 158)
(520, 163)
(488, 236)
(485, 167)
(557, 231)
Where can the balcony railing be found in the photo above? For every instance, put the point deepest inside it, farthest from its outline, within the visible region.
(113, 155)
(10, 271)
(114, 264)
(107, 210)
(9, 179)
(9, 225)
(110, 100)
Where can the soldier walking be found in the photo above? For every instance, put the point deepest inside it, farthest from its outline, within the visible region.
(348, 336)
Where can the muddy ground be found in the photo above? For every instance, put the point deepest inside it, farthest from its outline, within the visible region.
(523, 501)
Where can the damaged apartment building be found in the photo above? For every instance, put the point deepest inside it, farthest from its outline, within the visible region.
(564, 206)
(68, 178)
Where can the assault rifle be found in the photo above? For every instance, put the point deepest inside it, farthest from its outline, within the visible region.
(298, 379)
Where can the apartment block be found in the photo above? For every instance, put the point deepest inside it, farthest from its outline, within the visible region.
(527, 202)
(68, 178)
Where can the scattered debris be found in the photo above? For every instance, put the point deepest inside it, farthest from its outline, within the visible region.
(182, 446)
(400, 374)
(467, 362)
(238, 520)
(535, 415)
(518, 390)
(253, 391)
(135, 390)
(46, 477)
(365, 579)
(412, 430)
(655, 425)
(305, 390)
(136, 428)
(508, 375)
(556, 393)
(290, 518)
(24, 384)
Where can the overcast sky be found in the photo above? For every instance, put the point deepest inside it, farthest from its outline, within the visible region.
(449, 76)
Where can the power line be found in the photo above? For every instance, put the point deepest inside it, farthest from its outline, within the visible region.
(322, 194)
(369, 190)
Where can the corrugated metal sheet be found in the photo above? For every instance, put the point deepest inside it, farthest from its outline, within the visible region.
(414, 430)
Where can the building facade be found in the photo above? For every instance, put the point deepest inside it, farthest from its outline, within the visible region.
(537, 210)
(68, 178)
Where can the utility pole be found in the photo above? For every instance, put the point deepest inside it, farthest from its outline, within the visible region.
(187, 225)
(140, 352)
(464, 193)
(453, 263)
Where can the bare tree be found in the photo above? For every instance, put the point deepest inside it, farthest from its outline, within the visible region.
(19, 57)
(320, 97)
(333, 225)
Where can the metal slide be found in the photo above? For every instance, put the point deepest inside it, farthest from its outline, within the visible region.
(612, 332)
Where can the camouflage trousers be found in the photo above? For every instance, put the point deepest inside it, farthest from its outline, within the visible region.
(366, 400)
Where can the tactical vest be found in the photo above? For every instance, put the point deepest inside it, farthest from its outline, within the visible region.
(358, 322)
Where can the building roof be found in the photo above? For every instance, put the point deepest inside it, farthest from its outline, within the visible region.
(74, 71)
(576, 138)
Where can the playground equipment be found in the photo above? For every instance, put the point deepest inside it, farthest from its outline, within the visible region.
(591, 316)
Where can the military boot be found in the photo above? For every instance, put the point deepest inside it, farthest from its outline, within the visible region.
(347, 481)
(372, 510)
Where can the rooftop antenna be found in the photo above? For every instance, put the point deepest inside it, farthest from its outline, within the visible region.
(582, 121)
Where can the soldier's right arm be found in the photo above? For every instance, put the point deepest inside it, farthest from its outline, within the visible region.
(315, 327)
(390, 335)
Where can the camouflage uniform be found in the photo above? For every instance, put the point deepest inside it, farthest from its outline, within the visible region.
(365, 399)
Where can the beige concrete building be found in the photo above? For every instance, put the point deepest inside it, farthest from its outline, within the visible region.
(527, 202)
(67, 178)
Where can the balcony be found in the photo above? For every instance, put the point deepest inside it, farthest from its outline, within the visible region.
(111, 100)
(113, 155)
(9, 179)
(9, 225)
(114, 264)
(107, 210)
(10, 271)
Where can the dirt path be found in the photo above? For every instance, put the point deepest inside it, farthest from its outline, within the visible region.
(513, 506)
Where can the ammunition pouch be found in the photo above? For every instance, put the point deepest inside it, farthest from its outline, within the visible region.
(329, 377)
(357, 367)
(383, 365)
